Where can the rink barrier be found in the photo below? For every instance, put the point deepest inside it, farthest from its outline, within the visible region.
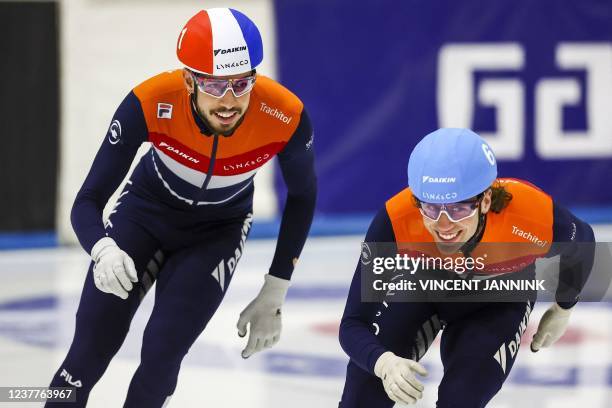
(322, 226)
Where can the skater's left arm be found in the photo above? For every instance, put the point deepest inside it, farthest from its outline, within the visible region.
(297, 166)
(574, 240)
(263, 314)
(357, 333)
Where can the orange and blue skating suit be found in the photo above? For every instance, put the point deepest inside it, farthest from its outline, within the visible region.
(200, 174)
(479, 339)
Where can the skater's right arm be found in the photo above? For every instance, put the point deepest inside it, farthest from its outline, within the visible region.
(357, 336)
(126, 133)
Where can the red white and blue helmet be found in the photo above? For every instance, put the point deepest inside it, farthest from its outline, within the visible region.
(220, 41)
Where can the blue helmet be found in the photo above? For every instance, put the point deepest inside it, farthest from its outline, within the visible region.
(451, 165)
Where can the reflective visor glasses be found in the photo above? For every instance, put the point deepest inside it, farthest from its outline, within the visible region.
(218, 87)
(455, 212)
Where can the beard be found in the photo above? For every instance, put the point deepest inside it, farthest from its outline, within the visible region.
(224, 131)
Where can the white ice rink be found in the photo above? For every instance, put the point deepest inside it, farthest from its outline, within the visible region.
(40, 291)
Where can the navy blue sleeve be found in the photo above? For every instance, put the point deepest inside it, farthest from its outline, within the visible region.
(297, 166)
(126, 133)
(356, 334)
(574, 240)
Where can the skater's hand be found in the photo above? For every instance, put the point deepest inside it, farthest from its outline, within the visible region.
(397, 375)
(114, 270)
(263, 315)
(552, 326)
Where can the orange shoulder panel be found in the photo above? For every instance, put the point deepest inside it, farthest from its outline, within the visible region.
(271, 119)
(268, 90)
(168, 82)
(406, 219)
(527, 218)
(522, 230)
(167, 111)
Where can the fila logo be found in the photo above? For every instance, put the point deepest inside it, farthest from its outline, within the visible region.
(164, 111)
(220, 271)
(68, 378)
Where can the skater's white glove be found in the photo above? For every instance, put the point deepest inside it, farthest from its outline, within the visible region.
(397, 375)
(114, 270)
(552, 326)
(263, 315)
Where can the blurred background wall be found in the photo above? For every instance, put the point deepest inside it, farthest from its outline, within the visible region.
(534, 78)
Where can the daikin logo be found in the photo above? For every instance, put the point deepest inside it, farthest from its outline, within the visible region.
(178, 152)
(429, 179)
(220, 271)
(229, 50)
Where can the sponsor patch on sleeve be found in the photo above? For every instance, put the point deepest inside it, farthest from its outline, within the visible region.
(164, 111)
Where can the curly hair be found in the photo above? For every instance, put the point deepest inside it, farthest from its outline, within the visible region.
(500, 197)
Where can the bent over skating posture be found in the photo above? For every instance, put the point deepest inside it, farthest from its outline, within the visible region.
(456, 202)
